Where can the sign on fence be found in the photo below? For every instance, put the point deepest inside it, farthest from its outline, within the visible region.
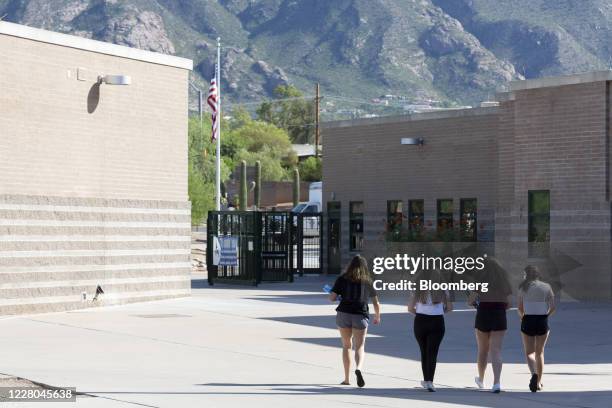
(228, 255)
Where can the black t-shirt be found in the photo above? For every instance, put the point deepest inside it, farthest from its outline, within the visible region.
(355, 296)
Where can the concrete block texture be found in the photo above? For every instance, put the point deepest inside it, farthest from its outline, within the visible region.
(55, 252)
(551, 135)
(93, 177)
(62, 136)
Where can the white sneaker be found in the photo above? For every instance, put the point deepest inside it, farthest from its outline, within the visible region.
(496, 388)
(479, 383)
(424, 384)
(430, 386)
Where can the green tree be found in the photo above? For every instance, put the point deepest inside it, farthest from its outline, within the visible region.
(201, 195)
(296, 116)
(240, 117)
(241, 139)
(310, 169)
(257, 140)
(202, 169)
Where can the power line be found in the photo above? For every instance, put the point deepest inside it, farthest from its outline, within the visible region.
(259, 102)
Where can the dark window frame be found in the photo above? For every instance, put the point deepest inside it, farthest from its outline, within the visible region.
(394, 218)
(464, 236)
(539, 245)
(534, 216)
(441, 217)
(355, 227)
(416, 225)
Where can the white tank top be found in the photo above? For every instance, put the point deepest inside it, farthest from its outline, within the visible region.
(429, 308)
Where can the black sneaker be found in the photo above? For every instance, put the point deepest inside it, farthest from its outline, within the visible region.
(360, 381)
(533, 383)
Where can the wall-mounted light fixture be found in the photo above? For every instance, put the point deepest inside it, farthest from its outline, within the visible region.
(115, 79)
(419, 141)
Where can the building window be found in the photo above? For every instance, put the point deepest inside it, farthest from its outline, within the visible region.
(416, 217)
(445, 215)
(468, 219)
(356, 225)
(394, 219)
(539, 216)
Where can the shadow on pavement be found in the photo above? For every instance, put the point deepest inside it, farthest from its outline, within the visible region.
(394, 337)
(461, 396)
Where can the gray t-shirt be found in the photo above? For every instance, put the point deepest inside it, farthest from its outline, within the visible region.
(537, 298)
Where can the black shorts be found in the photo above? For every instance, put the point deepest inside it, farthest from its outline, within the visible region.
(534, 325)
(488, 320)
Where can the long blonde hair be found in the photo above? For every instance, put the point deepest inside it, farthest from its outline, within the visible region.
(357, 270)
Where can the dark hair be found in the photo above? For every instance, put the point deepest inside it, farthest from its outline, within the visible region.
(496, 276)
(357, 270)
(531, 275)
(436, 295)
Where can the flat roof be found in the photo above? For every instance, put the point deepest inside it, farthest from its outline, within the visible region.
(65, 40)
(436, 114)
(545, 82)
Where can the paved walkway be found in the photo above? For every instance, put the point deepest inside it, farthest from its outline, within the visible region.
(276, 345)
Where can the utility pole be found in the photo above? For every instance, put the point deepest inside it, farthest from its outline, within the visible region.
(200, 108)
(317, 110)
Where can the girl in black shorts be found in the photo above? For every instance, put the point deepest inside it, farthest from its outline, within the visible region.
(536, 301)
(355, 290)
(491, 324)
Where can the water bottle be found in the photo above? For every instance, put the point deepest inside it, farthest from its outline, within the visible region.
(327, 289)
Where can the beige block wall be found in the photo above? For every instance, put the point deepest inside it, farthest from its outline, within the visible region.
(366, 162)
(93, 180)
(553, 138)
(133, 145)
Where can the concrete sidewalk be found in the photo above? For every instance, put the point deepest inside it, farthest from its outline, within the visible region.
(276, 345)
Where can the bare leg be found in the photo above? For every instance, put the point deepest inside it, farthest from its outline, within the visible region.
(482, 339)
(495, 346)
(540, 343)
(529, 347)
(359, 337)
(347, 345)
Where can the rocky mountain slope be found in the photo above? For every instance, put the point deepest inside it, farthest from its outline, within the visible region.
(454, 51)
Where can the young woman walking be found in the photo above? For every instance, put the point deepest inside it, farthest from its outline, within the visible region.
(536, 301)
(491, 323)
(354, 288)
(429, 308)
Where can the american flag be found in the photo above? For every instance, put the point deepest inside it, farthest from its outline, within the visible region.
(212, 101)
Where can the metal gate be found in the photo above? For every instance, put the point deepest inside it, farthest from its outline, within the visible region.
(276, 253)
(271, 245)
(245, 227)
(308, 243)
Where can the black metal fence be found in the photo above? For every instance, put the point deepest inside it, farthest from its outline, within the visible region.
(270, 246)
(308, 243)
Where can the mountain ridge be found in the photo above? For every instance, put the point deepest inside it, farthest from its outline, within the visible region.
(427, 52)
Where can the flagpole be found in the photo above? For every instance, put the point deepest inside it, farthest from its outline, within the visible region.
(218, 156)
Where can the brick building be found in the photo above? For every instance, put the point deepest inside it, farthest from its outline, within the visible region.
(528, 176)
(93, 187)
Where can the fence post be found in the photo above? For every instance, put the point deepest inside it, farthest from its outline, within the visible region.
(321, 244)
(257, 245)
(288, 228)
(300, 243)
(210, 227)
